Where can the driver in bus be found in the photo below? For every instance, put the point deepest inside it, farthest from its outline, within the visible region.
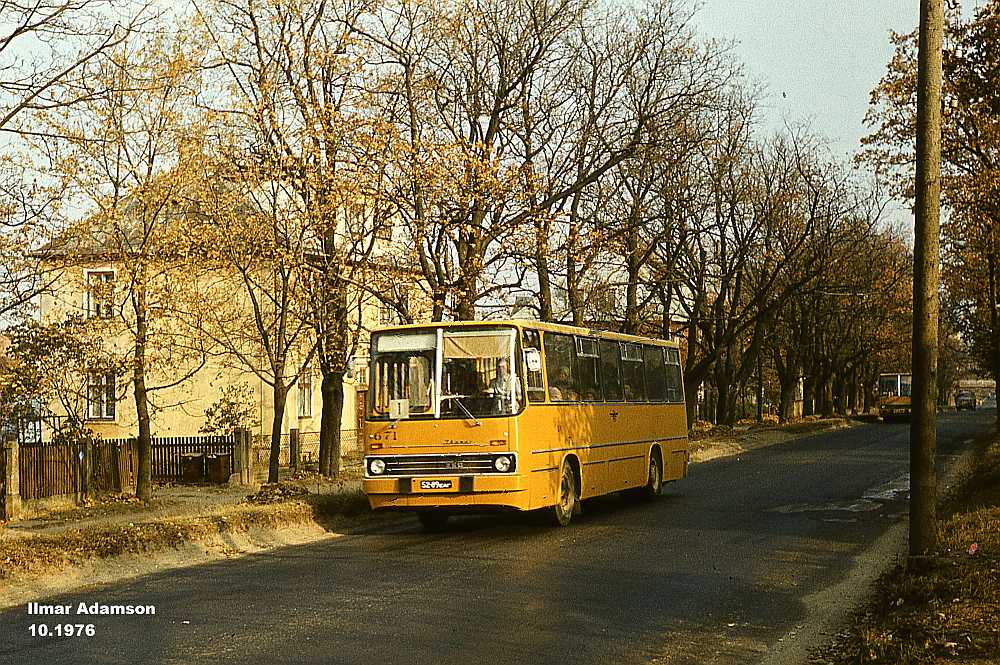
(499, 389)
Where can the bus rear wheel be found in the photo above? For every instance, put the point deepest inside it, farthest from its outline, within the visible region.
(433, 520)
(569, 495)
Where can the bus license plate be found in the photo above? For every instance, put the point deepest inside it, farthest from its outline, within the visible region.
(437, 485)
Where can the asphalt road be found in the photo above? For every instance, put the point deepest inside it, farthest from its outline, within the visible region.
(716, 570)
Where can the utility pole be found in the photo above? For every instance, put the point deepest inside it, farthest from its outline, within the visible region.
(926, 260)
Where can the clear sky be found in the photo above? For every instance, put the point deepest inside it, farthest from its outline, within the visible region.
(818, 59)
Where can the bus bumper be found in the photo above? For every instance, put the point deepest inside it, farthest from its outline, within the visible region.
(447, 492)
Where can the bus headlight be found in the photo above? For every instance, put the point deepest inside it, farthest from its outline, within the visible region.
(376, 467)
(502, 464)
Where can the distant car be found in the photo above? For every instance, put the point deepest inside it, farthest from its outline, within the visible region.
(965, 399)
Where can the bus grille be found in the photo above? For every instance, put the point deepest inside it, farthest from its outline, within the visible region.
(433, 465)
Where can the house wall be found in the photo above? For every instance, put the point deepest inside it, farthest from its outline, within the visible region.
(179, 410)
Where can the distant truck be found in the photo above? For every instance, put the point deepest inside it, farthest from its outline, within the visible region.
(894, 396)
(965, 399)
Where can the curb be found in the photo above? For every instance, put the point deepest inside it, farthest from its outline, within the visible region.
(34, 563)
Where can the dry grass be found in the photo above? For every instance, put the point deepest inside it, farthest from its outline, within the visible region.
(40, 554)
(947, 609)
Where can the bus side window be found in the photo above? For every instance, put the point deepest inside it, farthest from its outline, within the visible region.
(656, 376)
(559, 367)
(588, 369)
(611, 377)
(635, 384)
(531, 341)
(674, 391)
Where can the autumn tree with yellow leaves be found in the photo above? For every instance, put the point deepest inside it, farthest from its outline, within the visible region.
(44, 45)
(302, 127)
(123, 152)
(970, 165)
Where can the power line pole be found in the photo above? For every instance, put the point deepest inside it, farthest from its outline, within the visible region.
(926, 259)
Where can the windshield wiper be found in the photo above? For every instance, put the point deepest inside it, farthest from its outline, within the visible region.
(458, 401)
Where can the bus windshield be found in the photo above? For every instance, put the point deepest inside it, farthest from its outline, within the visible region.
(895, 385)
(478, 375)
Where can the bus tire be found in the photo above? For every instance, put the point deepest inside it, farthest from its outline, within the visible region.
(568, 499)
(654, 478)
(433, 520)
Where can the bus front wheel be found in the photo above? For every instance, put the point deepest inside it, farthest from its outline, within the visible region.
(569, 495)
(654, 481)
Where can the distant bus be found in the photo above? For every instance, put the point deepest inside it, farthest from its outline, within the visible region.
(521, 415)
(894, 396)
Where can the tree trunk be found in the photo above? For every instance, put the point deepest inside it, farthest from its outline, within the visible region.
(760, 388)
(840, 395)
(690, 402)
(828, 406)
(279, 393)
(994, 287)
(437, 306)
(808, 394)
(787, 402)
(144, 445)
(329, 430)
(852, 391)
(542, 267)
(573, 296)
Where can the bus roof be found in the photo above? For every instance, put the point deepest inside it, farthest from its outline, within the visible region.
(533, 325)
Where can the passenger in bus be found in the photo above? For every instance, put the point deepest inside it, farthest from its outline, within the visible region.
(561, 390)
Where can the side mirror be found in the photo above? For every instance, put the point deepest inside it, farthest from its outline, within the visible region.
(533, 359)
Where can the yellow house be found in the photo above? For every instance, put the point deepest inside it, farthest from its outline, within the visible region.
(188, 372)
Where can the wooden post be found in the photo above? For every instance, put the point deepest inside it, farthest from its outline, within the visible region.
(86, 467)
(12, 498)
(242, 462)
(238, 460)
(293, 449)
(926, 258)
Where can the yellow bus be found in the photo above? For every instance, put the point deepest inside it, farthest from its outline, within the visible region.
(894, 396)
(520, 415)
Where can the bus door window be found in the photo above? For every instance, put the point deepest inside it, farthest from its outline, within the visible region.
(656, 373)
(531, 341)
(559, 367)
(632, 372)
(588, 370)
(905, 382)
(611, 376)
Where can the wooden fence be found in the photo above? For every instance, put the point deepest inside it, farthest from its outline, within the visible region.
(114, 466)
(49, 471)
(167, 452)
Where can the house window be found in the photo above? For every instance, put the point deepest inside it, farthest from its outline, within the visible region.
(305, 401)
(387, 315)
(100, 292)
(101, 396)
